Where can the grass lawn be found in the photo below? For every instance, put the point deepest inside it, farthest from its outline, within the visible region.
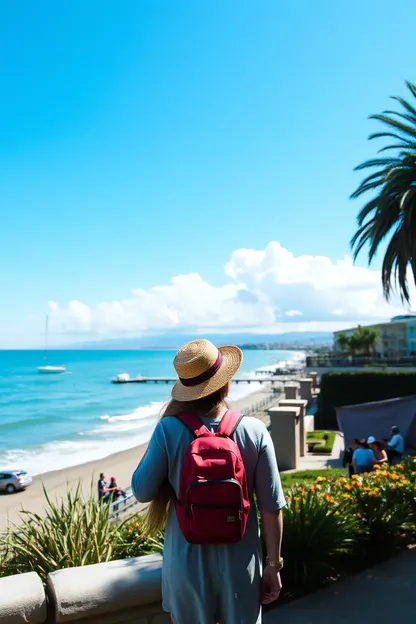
(313, 436)
(309, 476)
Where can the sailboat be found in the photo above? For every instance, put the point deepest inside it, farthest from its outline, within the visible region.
(46, 368)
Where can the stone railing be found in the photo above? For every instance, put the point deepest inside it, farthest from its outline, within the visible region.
(118, 592)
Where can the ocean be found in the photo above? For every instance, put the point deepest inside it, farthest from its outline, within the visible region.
(50, 422)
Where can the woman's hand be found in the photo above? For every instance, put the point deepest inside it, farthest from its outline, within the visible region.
(271, 585)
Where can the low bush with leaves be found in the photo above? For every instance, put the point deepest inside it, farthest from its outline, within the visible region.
(316, 535)
(74, 531)
(335, 524)
(132, 542)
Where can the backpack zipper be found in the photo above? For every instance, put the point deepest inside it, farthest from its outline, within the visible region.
(210, 482)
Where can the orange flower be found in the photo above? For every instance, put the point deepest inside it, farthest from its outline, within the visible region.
(359, 516)
(347, 487)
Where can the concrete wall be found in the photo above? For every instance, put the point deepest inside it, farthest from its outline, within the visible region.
(118, 592)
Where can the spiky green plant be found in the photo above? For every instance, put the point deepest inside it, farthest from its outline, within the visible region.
(390, 214)
(316, 536)
(74, 531)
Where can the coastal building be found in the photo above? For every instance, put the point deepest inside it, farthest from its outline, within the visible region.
(397, 337)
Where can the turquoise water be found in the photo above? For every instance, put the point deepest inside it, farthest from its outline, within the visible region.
(48, 422)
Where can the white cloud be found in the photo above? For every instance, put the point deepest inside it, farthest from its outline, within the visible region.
(265, 291)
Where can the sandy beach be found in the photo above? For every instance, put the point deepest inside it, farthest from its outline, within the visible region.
(121, 465)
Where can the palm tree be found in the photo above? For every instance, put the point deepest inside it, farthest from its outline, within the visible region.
(362, 341)
(343, 343)
(391, 212)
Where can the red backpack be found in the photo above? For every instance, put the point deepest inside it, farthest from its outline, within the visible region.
(213, 504)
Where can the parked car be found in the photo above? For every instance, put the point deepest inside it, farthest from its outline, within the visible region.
(12, 481)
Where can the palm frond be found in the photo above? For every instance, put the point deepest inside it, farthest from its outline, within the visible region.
(391, 211)
(396, 124)
(382, 135)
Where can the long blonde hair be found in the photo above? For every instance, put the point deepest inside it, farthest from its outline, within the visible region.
(207, 406)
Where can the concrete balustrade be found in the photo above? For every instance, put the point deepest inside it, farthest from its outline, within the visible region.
(284, 430)
(306, 390)
(22, 599)
(128, 590)
(119, 592)
(302, 405)
(291, 391)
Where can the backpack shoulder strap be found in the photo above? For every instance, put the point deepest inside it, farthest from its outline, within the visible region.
(193, 423)
(229, 423)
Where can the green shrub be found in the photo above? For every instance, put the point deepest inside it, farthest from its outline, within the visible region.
(131, 541)
(304, 477)
(359, 387)
(75, 531)
(316, 536)
(384, 502)
(328, 437)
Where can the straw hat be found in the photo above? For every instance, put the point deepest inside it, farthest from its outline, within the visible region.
(203, 369)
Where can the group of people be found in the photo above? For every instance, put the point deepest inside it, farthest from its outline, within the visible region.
(108, 493)
(362, 455)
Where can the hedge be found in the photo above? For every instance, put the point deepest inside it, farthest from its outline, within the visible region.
(359, 387)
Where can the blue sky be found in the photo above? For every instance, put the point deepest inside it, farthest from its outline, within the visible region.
(145, 140)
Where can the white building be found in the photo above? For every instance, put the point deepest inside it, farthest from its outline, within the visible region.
(397, 337)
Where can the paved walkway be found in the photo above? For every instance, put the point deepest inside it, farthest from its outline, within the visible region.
(383, 595)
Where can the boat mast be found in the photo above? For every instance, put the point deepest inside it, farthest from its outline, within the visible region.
(45, 356)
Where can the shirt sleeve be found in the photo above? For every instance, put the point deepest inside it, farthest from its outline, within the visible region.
(394, 442)
(152, 471)
(267, 484)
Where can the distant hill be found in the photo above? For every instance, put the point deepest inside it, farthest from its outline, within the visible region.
(174, 341)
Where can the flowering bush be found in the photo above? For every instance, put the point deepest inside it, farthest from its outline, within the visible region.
(366, 516)
(316, 535)
(131, 541)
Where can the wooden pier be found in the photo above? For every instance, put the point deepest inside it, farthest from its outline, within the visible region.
(170, 380)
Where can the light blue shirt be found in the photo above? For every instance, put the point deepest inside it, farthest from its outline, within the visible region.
(396, 443)
(220, 582)
(363, 457)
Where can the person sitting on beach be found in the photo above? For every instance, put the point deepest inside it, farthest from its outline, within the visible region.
(395, 446)
(378, 450)
(363, 458)
(212, 560)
